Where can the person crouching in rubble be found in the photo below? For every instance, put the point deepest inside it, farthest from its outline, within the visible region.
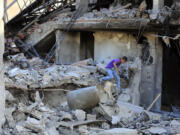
(113, 72)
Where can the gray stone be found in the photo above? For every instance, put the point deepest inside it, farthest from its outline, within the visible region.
(175, 123)
(9, 117)
(91, 117)
(9, 96)
(124, 98)
(157, 130)
(65, 116)
(119, 131)
(80, 114)
(105, 125)
(34, 125)
(83, 130)
(52, 131)
(84, 98)
(101, 68)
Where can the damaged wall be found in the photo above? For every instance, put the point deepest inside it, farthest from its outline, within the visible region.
(110, 45)
(151, 74)
(69, 50)
(2, 97)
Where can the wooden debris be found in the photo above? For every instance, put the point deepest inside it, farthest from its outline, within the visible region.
(154, 101)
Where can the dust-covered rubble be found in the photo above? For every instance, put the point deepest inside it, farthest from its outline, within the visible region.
(53, 76)
(126, 119)
(110, 113)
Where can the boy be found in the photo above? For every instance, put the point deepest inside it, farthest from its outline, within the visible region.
(113, 72)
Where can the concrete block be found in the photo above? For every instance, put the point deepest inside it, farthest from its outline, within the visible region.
(80, 114)
(85, 98)
(157, 130)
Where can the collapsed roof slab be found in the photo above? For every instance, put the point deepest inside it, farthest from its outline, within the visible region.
(118, 24)
(98, 24)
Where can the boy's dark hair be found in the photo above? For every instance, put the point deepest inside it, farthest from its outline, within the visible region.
(124, 58)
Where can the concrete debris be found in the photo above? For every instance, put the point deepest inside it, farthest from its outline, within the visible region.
(65, 116)
(124, 98)
(52, 131)
(157, 130)
(84, 98)
(34, 125)
(87, 106)
(91, 116)
(175, 123)
(119, 118)
(9, 96)
(80, 115)
(84, 62)
(83, 130)
(71, 125)
(105, 125)
(9, 117)
(50, 77)
(119, 131)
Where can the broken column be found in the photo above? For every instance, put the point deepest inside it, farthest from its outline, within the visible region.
(84, 98)
(2, 92)
(82, 5)
(158, 4)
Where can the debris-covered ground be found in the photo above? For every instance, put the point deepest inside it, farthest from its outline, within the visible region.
(101, 110)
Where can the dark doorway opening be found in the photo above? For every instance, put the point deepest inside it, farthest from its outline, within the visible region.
(171, 75)
(86, 45)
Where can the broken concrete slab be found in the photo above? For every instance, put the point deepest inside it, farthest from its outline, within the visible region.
(101, 68)
(84, 62)
(119, 131)
(91, 116)
(34, 125)
(52, 131)
(71, 125)
(157, 130)
(9, 96)
(105, 126)
(124, 98)
(28, 110)
(80, 115)
(65, 116)
(9, 117)
(83, 130)
(175, 123)
(84, 98)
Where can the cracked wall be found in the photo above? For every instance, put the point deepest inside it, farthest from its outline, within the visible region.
(110, 45)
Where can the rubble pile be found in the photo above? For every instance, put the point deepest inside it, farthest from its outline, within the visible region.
(23, 73)
(30, 74)
(94, 110)
(34, 74)
(120, 118)
(123, 12)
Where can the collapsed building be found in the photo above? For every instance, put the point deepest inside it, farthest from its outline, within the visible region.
(95, 32)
